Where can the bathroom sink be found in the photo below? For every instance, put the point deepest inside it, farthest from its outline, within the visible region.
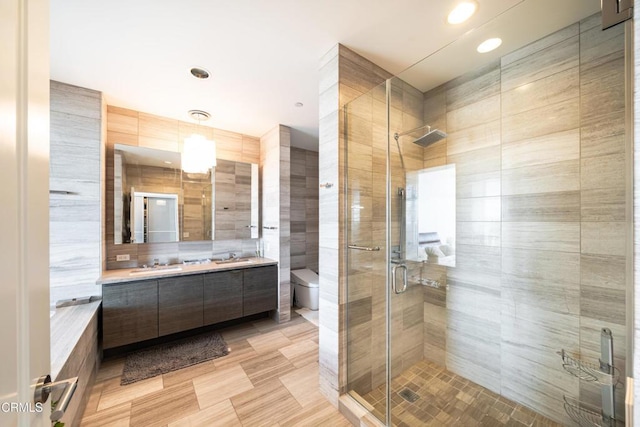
(234, 261)
(162, 268)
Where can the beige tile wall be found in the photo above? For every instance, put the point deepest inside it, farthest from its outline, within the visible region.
(232, 205)
(75, 218)
(131, 127)
(196, 208)
(275, 165)
(304, 209)
(539, 152)
(344, 76)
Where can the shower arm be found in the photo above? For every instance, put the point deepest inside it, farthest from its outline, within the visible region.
(398, 135)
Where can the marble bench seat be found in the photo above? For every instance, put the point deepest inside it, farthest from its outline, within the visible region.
(75, 353)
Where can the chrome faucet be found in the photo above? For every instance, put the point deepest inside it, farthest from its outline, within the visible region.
(233, 255)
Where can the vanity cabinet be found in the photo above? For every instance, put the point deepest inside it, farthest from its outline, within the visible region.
(260, 290)
(139, 310)
(223, 295)
(129, 312)
(179, 304)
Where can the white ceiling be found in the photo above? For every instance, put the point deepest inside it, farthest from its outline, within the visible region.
(263, 55)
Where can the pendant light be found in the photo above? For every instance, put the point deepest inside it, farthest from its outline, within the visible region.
(199, 153)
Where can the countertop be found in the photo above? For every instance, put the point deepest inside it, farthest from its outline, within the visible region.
(133, 274)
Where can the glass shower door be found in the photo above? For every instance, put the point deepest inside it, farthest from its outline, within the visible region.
(366, 235)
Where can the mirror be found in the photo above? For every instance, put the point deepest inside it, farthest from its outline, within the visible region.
(235, 191)
(153, 217)
(155, 201)
(431, 215)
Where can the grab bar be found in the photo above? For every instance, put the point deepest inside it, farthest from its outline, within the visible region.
(405, 281)
(365, 248)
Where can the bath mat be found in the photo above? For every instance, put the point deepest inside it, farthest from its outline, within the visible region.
(163, 358)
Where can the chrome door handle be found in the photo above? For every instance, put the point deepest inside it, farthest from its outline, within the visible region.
(44, 387)
(404, 278)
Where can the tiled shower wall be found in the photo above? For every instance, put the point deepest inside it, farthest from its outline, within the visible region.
(304, 209)
(538, 143)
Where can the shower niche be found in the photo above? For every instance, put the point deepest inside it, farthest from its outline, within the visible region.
(430, 198)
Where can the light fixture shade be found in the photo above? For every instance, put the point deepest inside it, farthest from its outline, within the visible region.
(198, 154)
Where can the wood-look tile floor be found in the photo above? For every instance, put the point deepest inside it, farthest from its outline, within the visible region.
(270, 378)
(446, 399)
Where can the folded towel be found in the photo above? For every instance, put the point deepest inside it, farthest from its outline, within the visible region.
(446, 250)
(434, 251)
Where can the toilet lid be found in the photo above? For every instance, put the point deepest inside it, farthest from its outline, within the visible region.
(306, 277)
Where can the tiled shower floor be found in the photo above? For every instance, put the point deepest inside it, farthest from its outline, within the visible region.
(446, 399)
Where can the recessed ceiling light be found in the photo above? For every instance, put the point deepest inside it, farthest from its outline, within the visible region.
(299, 104)
(200, 73)
(462, 12)
(489, 45)
(167, 162)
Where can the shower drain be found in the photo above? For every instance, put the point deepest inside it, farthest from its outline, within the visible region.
(409, 395)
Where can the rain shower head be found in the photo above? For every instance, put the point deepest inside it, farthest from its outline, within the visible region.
(432, 136)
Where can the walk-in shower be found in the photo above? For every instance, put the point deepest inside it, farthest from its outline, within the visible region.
(503, 316)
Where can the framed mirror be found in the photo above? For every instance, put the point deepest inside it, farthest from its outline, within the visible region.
(156, 201)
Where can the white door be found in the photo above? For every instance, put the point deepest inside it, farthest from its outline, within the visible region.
(24, 209)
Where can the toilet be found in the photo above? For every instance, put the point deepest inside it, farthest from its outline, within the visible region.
(305, 283)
